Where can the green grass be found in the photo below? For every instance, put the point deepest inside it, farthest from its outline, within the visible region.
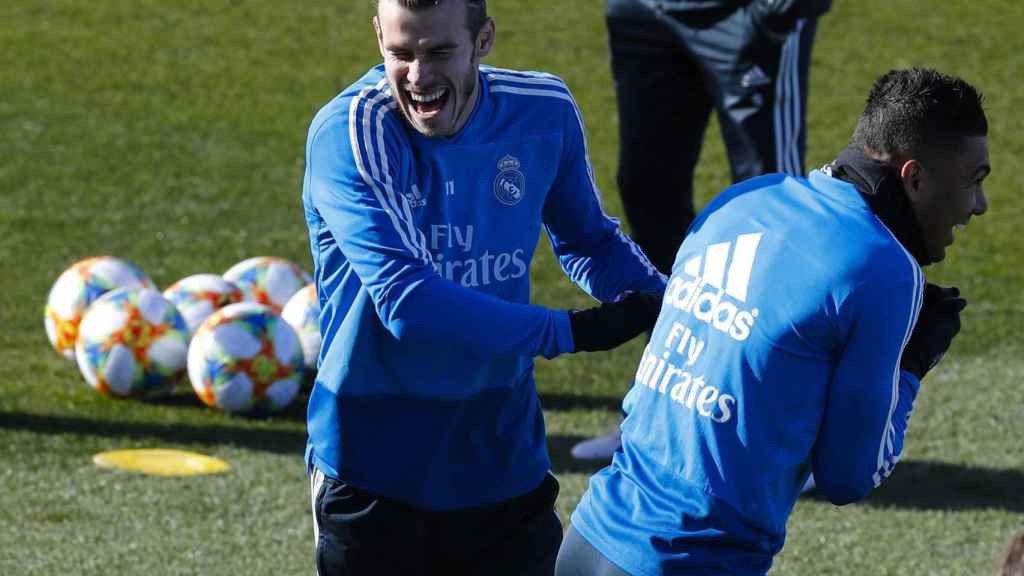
(171, 134)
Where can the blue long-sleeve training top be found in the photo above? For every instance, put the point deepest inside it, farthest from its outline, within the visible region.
(776, 353)
(422, 248)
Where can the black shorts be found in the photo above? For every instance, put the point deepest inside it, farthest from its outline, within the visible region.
(358, 533)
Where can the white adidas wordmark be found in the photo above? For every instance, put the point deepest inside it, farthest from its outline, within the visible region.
(702, 295)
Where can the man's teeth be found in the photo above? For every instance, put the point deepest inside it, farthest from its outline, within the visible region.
(426, 98)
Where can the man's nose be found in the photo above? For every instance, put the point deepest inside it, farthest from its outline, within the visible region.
(980, 203)
(419, 73)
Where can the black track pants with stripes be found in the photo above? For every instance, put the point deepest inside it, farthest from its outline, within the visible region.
(671, 70)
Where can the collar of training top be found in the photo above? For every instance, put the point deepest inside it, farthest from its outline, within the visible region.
(882, 188)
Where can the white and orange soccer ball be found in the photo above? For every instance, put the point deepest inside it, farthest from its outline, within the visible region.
(268, 280)
(200, 295)
(78, 287)
(302, 312)
(245, 359)
(132, 343)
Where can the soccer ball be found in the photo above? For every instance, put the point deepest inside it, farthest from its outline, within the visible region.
(245, 358)
(302, 312)
(268, 280)
(132, 342)
(200, 295)
(78, 287)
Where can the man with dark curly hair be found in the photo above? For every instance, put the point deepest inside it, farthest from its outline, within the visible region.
(796, 329)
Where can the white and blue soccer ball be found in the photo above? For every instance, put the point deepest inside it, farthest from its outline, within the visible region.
(245, 359)
(78, 287)
(200, 295)
(268, 280)
(302, 312)
(132, 343)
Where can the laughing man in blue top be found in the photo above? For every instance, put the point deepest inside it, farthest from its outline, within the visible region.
(428, 183)
(795, 331)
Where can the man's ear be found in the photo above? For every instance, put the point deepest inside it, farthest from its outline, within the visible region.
(910, 175)
(380, 37)
(485, 39)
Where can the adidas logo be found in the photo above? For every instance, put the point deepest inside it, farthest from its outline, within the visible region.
(755, 77)
(415, 198)
(714, 292)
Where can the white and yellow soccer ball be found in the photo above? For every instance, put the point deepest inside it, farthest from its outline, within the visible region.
(132, 343)
(302, 312)
(200, 295)
(268, 280)
(78, 287)
(245, 359)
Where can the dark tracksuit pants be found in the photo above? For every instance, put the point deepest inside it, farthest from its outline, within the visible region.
(671, 69)
(359, 533)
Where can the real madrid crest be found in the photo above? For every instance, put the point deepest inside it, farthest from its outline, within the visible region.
(509, 184)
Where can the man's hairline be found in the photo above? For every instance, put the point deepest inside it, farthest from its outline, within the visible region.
(926, 152)
(465, 3)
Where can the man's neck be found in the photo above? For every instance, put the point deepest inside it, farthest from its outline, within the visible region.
(879, 184)
(474, 98)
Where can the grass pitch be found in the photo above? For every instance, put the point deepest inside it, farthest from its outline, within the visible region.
(171, 134)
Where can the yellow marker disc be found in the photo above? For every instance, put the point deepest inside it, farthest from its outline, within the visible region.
(161, 462)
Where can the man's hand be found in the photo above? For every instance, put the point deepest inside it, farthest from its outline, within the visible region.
(937, 324)
(614, 323)
(776, 19)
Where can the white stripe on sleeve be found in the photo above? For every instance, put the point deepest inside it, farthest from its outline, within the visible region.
(887, 456)
(362, 142)
(398, 201)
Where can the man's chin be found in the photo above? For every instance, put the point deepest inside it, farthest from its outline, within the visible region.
(430, 130)
(432, 126)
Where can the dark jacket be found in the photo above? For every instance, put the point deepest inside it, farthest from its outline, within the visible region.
(802, 7)
(776, 18)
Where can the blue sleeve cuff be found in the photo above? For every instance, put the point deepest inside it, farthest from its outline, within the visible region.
(912, 380)
(563, 333)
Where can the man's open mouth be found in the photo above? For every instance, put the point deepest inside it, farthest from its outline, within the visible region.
(427, 103)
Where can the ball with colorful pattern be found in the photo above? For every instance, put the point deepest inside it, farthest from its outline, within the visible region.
(268, 280)
(78, 287)
(302, 312)
(132, 343)
(245, 359)
(200, 295)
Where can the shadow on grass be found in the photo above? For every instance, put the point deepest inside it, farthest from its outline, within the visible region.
(184, 399)
(562, 461)
(924, 485)
(265, 440)
(566, 402)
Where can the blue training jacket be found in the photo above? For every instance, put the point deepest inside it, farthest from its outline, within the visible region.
(776, 354)
(422, 248)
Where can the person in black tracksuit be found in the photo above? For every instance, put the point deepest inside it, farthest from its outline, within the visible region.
(673, 62)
